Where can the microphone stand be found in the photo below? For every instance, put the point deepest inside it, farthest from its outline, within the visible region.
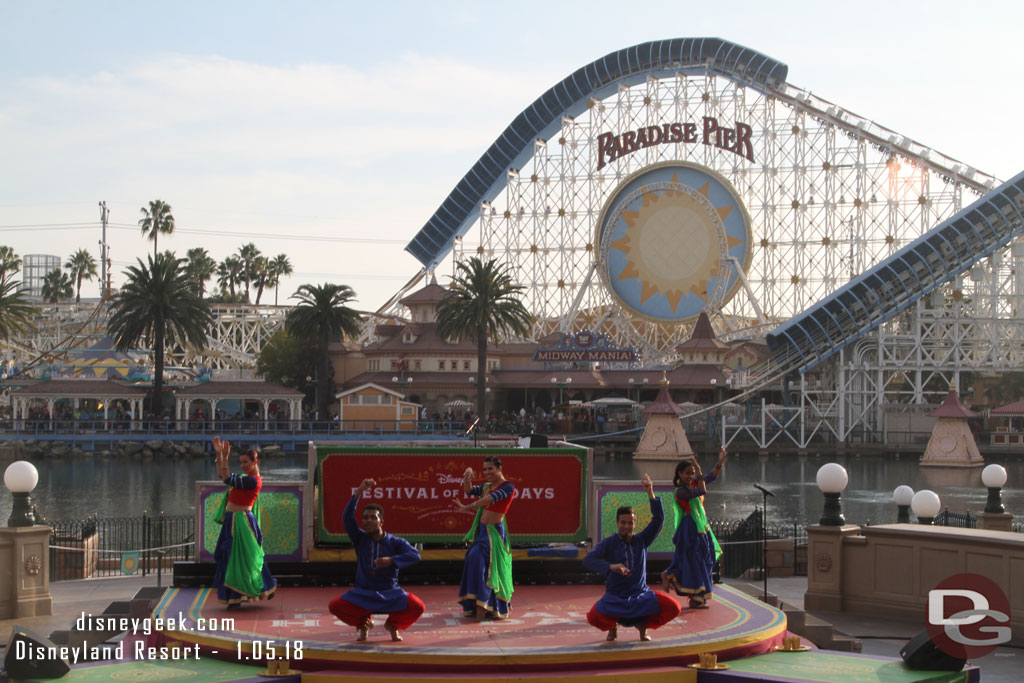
(475, 428)
(764, 538)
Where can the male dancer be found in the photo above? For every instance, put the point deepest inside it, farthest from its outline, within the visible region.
(623, 557)
(379, 556)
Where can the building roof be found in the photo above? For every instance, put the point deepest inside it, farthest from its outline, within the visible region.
(431, 294)
(703, 337)
(239, 389)
(372, 385)
(1009, 410)
(89, 388)
(663, 404)
(952, 407)
(427, 341)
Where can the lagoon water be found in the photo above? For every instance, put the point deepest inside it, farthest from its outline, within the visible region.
(74, 488)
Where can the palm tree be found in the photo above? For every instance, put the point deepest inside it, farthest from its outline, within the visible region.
(15, 311)
(10, 263)
(321, 313)
(157, 304)
(249, 255)
(261, 276)
(199, 269)
(482, 303)
(280, 265)
(81, 266)
(229, 274)
(155, 220)
(57, 286)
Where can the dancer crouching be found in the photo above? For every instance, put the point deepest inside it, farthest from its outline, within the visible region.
(379, 556)
(623, 557)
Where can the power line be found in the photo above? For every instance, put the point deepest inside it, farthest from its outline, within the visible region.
(269, 235)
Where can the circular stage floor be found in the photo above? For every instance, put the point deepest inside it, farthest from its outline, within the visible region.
(547, 632)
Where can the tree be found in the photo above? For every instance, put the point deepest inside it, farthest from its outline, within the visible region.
(249, 255)
(320, 314)
(155, 220)
(199, 269)
(279, 266)
(81, 266)
(57, 286)
(10, 263)
(158, 305)
(261, 276)
(286, 360)
(15, 311)
(482, 303)
(229, 274)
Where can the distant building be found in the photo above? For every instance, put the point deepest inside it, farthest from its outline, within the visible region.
(34, 268)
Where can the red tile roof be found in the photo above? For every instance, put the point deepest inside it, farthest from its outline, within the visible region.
(91, 388)
(703, 337)
(240, 389)
(952, 407)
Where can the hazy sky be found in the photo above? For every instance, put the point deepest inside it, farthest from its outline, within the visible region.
(331, 131)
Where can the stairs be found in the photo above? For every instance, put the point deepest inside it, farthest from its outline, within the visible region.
(808, 626)
(99, 644)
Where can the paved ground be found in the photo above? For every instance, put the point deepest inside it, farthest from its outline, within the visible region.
(880, 636)
(884, 636)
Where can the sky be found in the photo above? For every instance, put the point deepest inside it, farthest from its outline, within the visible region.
(332, 131)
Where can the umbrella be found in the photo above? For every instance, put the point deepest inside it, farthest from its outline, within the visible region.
(458, 403)
(613, 401)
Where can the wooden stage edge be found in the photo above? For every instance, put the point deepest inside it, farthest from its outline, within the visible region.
(547, 634)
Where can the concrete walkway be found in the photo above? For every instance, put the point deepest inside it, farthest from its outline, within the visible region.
(879, 636)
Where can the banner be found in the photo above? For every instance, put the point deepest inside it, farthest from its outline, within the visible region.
(129, 561)
(417, 488)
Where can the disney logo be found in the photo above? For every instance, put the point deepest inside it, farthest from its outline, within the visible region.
(444, 478)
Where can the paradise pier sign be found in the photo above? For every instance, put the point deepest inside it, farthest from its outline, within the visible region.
(736, 140)
(585, 346)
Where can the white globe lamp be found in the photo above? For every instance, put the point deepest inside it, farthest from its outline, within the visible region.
(832, 480)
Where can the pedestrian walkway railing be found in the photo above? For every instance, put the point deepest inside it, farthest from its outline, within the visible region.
(147, 544)
(742, 539)
(963, 520)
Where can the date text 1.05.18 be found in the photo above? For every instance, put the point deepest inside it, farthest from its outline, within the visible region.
(260, 650)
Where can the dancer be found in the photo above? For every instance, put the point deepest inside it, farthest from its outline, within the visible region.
(487, 573)
(379, 556)
(696, 547)
(623, 558)
(242, 574)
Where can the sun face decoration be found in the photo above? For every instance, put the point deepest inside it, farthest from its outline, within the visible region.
(671, 239)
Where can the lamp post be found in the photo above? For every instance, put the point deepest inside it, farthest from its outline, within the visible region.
(832, 480)
(561, 385)
(926, 505)
(902, 496)
(994, 478)
(20, 478)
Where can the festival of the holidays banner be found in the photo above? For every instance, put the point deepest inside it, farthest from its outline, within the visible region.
(417, 488)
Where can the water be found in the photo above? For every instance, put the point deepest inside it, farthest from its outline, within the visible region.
(74, 488)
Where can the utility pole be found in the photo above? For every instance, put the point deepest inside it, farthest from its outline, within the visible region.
(104, 275)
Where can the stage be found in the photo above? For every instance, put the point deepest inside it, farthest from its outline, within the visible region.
(547, 633)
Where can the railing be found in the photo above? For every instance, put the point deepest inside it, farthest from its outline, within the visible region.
(963, 520)
(192, 428)
(97, 546)
(741, 543)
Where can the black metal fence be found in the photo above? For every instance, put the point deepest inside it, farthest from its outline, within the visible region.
(741, 541)
(146, 544)
(963, 520)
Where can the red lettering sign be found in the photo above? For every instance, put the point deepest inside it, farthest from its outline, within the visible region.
(418, 487)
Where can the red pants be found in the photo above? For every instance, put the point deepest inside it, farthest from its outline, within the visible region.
(669, 610)
(353, 615)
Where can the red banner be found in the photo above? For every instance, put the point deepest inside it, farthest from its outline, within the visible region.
(418, 491)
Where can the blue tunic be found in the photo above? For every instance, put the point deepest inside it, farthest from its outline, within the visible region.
(377, 588)
(694, 557)
(627, 597)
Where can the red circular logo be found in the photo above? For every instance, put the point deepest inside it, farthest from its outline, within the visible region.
(968, 616)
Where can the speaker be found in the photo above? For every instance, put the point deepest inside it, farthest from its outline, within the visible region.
(533, 441)
(923, 654)
(28, 656)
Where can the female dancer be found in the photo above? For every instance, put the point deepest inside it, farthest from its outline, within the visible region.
(697, 548)
(487, 573)
(242, 574)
